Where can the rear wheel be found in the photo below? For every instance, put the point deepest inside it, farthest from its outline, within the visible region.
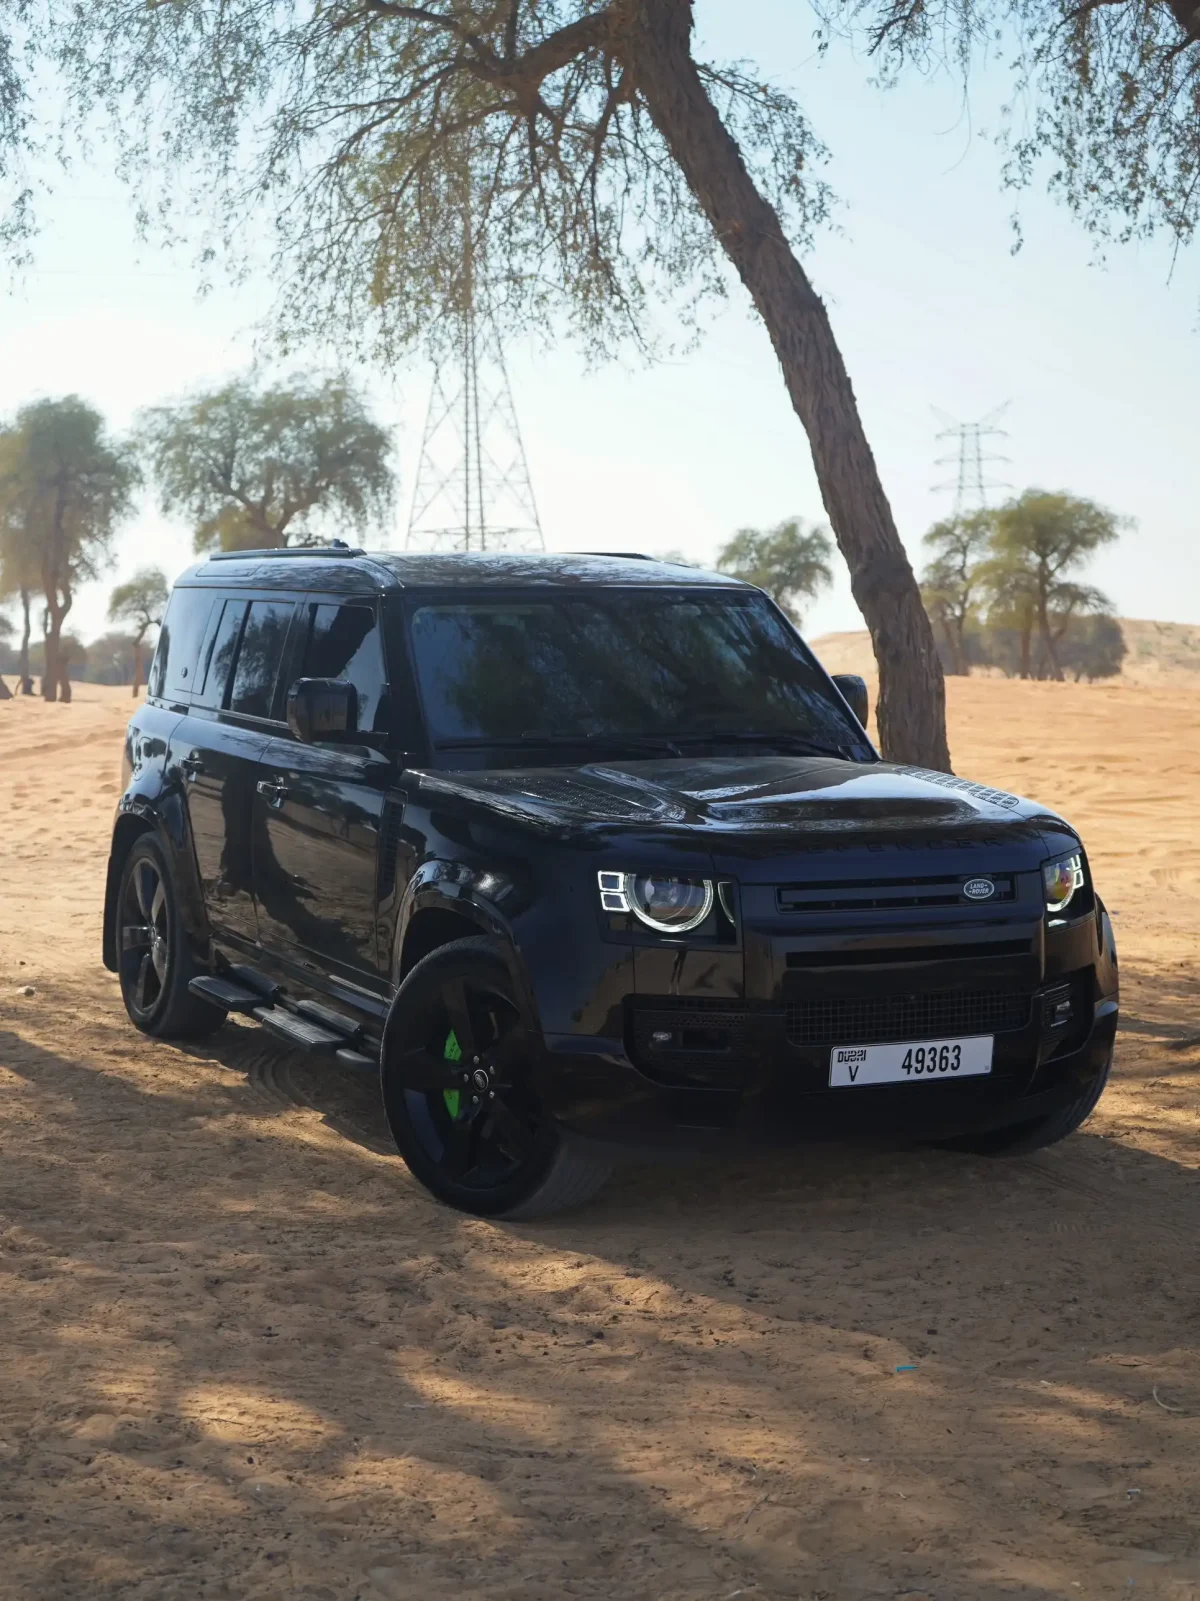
(154, 960)
(459, 1094)
(1024, 1138)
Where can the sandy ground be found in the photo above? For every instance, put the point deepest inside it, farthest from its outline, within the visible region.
(243, 1356)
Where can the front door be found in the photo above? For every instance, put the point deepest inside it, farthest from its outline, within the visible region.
(317, 846)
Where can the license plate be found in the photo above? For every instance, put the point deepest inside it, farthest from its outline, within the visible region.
(852, 1065)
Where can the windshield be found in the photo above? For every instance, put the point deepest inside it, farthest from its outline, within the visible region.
(642, 665)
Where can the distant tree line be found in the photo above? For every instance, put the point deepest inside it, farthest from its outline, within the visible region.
(248, 466)
(1003, 589)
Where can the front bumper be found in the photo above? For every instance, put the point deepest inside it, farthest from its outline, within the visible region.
(598, 1093)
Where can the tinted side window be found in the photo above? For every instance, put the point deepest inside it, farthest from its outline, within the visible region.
(344, 642)
(260, 657)
(221, 653)
(179, 641)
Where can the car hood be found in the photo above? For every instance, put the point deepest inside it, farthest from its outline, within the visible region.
(719, 798)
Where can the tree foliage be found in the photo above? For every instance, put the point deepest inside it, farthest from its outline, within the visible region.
(66, 487)
(367, 133)
(791, 562)
(259, 467)
(19, 565)
(1105, 101)
(1004, 588)
(546, 161)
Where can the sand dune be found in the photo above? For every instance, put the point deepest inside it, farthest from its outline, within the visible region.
(245, 1357)
(1156, 653)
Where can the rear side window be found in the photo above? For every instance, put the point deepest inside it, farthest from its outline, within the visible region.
(221, 653)
(260, 657)
(344, 642)
(183, 629)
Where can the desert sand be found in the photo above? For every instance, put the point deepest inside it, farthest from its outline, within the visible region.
(243, 1355)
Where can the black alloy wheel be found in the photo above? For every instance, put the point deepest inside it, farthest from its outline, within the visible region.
(459, 1093)
(154, 961)
(145, 937)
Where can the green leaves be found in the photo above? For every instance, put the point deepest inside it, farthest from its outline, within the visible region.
(788, 561)
(1003, 587)
(265, 467)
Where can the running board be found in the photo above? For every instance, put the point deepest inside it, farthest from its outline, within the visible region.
(298, 1032)
(359, 1061)
(305, 1025)
(225, 993)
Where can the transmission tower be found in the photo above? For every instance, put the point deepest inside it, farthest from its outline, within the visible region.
(972, 458)
(473, 490)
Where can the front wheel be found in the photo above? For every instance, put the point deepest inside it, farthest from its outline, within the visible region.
(459, 1095)
(1024, 1138)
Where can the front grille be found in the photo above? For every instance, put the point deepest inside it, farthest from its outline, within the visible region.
(893, 894)
(873, 1019)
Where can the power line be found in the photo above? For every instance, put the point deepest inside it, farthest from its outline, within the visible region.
(972, 458)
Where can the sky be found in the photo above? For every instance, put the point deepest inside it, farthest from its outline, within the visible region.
(1096, 364)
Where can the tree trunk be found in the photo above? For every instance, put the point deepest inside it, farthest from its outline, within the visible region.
(137, 666)
(654, 40)
(962, 667)
(1047, 634)
(26, 680)
(49, 666)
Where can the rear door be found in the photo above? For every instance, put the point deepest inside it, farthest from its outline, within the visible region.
(317, 867)
(217, 748)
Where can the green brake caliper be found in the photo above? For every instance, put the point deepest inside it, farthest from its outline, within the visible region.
(452, 1053)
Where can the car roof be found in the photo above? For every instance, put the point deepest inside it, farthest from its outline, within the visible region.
(350, 571)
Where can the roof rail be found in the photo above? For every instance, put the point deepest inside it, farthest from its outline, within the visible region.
(617, 555)
(335, 547)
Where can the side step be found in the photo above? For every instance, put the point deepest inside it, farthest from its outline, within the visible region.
(304, 1025)
(225, 993)
(298, 1032)
(358, 1060)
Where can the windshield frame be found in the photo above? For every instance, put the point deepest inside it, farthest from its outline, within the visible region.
(452, 754)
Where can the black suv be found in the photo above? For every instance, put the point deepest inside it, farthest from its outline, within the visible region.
(582, 853)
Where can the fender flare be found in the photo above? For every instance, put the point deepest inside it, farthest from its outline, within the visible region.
(455, 887)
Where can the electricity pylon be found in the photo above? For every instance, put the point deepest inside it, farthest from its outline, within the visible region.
(971, 458)
(473, 490)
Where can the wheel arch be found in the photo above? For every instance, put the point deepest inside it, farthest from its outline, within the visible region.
(443, 903)
(133, 822)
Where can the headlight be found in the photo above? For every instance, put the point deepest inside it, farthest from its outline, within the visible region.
(664, 902)
(1061, 879)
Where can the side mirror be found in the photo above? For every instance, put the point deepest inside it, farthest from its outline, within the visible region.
(854, 693)
(322, 708)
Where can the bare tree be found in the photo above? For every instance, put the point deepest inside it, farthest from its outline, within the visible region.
(600, 167)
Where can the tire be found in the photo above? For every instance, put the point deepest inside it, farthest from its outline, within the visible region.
(458, 1091)
(1024, 1138)
(154, 958)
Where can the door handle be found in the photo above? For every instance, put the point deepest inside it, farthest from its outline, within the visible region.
(272, 790)
(191, 766)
